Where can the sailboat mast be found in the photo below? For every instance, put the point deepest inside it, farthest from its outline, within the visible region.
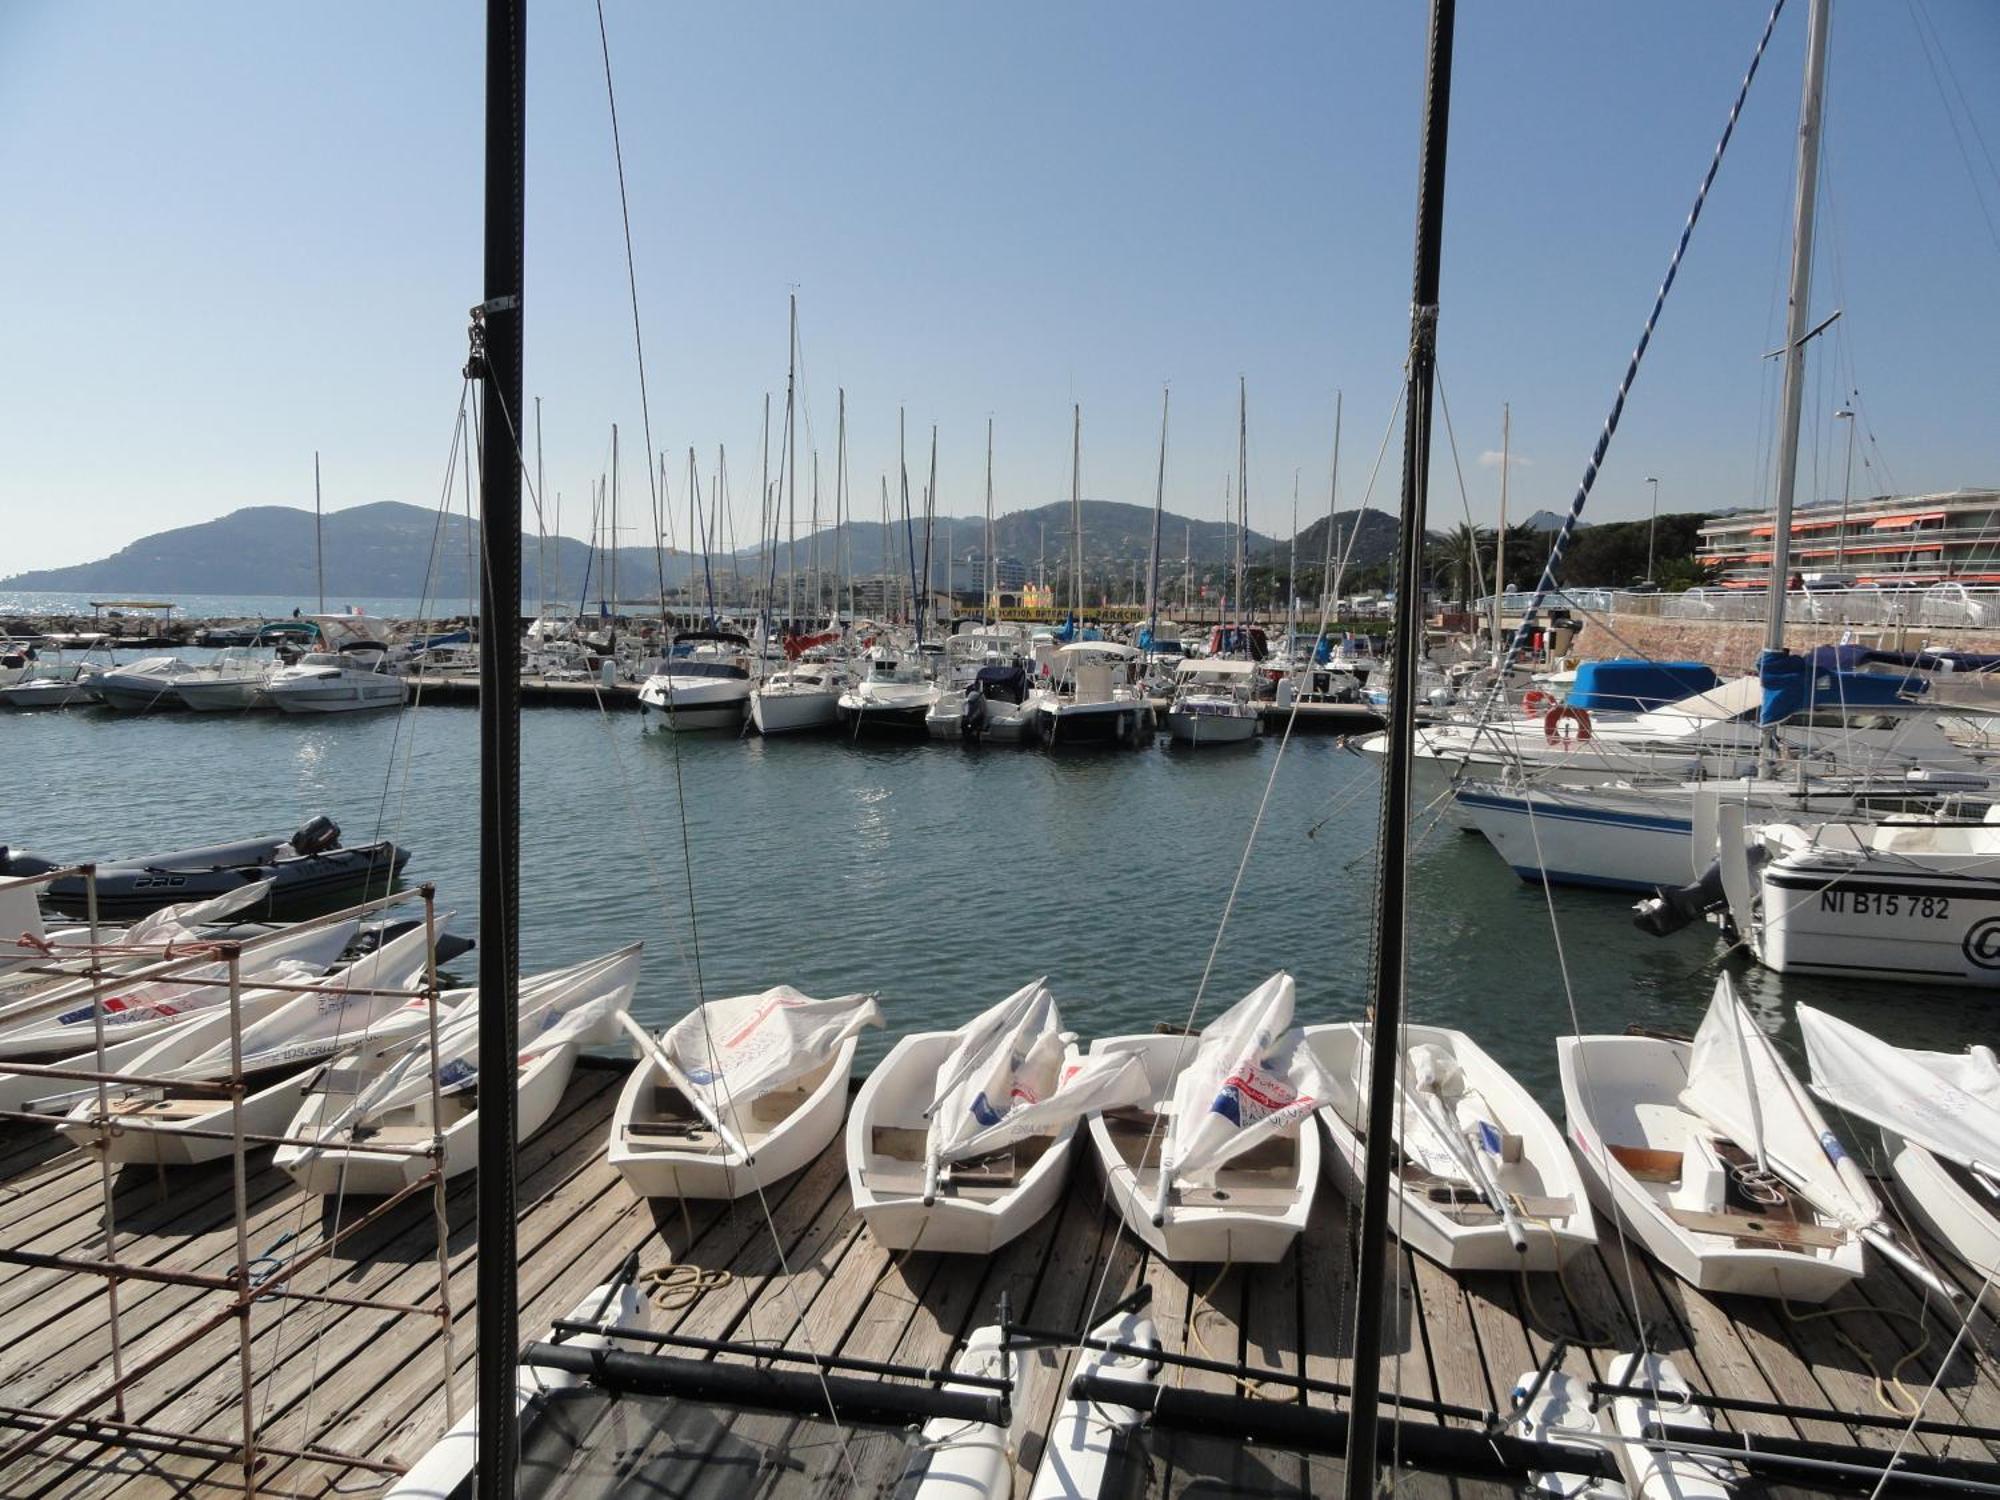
(1159, 507)
(883, 554)
(1391, 938)
(1327, 600)
(541, 531)
(1797, 311)
(611, 553)
(791, 470)
(1242, 507)
(319, 541)
(992, 566)
(812, 545)
(764, 531)
(1292, 564)
(1076, 512)
(1500, 536)
(843, 543)
(1187, 570)
(497, 357)
(930, 524)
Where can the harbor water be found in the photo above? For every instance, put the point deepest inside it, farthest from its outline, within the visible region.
(940, 877)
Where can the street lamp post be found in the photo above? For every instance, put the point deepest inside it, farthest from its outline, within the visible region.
(1845, 414)
(1652, 526)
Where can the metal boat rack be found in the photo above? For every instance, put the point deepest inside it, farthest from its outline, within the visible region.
(38, 1428)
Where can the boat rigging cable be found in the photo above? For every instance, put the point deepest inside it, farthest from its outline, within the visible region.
(687, 851)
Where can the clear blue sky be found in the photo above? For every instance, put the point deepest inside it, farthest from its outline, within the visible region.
(236, 233)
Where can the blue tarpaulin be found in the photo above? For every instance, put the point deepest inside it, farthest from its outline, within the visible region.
(1634, 684)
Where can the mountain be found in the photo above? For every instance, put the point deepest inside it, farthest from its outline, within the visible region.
(392, 550)
(1374, 543)
(1544, 520)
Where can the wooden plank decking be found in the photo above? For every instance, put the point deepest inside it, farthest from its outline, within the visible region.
(364, 1381)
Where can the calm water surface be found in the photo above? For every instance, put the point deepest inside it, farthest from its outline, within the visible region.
(941, 877)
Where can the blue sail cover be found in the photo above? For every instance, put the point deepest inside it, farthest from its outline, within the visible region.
(1633, 685)
(1798, 684)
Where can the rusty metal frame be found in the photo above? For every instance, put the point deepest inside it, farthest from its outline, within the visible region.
(75, 1424)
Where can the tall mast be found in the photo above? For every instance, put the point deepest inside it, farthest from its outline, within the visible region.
(812, 545)
(611, 553)
(1797, 311)
(496, 359)
(541, 531)
(1327, 603)
(887, 613)
(1292, 565)
(992, 566)
(1076, 512)
(909, 536)
(791, 470)
(1159, 506)
(843, 544)
(930, 522)
(764, 528)
(319, 542)
(1391, 937)
(1500, 536)
(1242, 507)
(1187, 570)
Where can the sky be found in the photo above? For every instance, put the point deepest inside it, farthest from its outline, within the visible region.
(237, 234)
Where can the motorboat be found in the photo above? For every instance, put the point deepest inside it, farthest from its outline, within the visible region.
(1939, 1114)
(1219, 1159)
(702, 683)
(149, 685)
(1000, 706)
(976, 667)
(737, 1094)
(1710, 1155)
(376, 1121)
(1484, 1178)
(51, 684)
(959, 1140)
(306, 868)
(238, 679)
(1214, 702)
(804, 695)
(894, 693)
(372, 1002)
(1095, 698)
(354, 678)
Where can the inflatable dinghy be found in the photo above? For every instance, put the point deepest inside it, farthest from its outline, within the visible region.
(304, 870)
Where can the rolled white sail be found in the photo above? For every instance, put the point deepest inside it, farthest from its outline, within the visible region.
(736, 1050)
(1100, 1081)
(1252, 1077)
(1739, 1084)
(1947, 1102)
(178, 924)
(1007, 1057)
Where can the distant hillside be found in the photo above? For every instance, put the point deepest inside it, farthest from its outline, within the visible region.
(389, 549)
(1376, 542)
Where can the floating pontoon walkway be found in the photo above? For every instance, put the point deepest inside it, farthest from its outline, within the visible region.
(364, 1382)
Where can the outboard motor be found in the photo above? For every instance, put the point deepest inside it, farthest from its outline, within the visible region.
(318, 836)
(15, 862)
(1666, 912)
(973, 723)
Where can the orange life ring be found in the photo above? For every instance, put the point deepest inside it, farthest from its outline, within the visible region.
(1536, 702)
(1552, 724)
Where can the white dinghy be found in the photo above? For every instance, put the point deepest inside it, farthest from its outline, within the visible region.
(1939, 1113)
(1219, 1160)
(1713, 1156)
(372, 1003)
(61, 1021)
(960, 1140)
(737, 1094)
(35, 958)
(383, 1099)
(1485, 1180)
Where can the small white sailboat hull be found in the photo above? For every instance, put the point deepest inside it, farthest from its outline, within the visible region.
(974, 1213)
(1953, 1214)
(794, 712)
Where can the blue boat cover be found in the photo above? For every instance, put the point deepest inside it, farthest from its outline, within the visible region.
(1634, 684)
(1797, 684)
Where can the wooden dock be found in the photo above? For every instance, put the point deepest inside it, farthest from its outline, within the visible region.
(369, 1382)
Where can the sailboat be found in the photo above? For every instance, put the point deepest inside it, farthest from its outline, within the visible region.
(737, 1094)
(372, 1124)
(1939, 1114)
(1712, 1155)
(959, 1140)
(1214, 698)
(1219, 1159)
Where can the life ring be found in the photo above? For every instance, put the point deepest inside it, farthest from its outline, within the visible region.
(1536, 702)
(1552, 724)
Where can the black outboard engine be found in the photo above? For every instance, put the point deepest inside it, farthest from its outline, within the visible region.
(1666, 912)
(18, 862)
(973, 723)
(318, 836)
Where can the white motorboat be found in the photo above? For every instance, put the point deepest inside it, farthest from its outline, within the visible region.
(1915, 900)
(980, 665)
(237, 679)
(149, 685)
(1939, 1113)
(737, 1094)
(1214, 702)
(894, 693)
(959, 1140)
(353, 679)
(382, 1099)
(804, 695)
(702, 683)
(280, 1051)
(1095, 698)
(1701, 1151)
(1485, 1180)
(1219, 1160)
(51, 685)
